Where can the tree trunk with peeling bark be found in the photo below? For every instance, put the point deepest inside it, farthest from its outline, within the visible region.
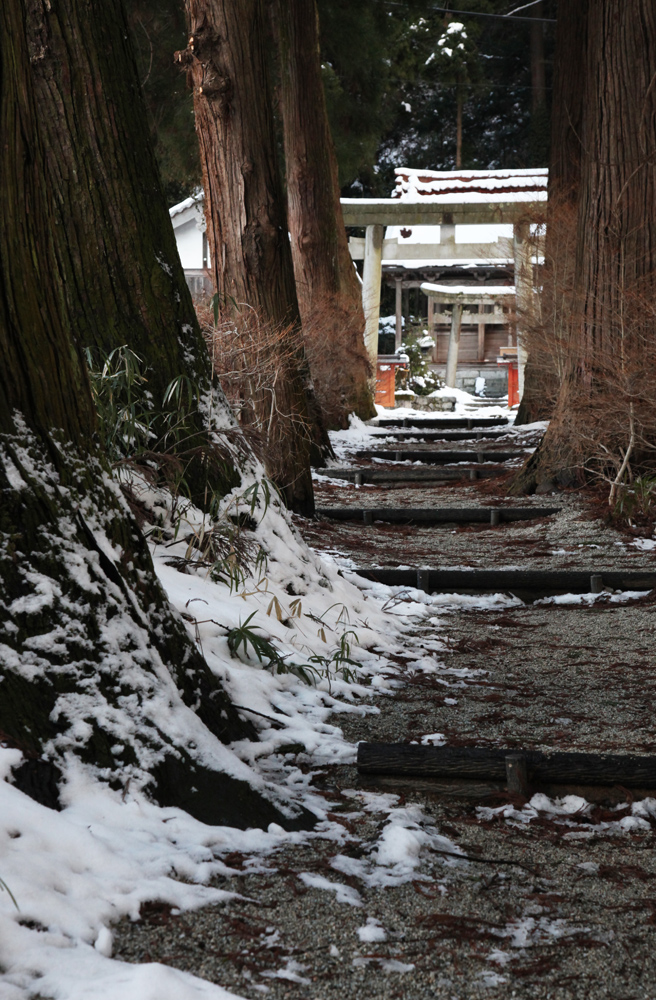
(93, 660)
(251, 261)
(111, 220)
(329, 293)
(605, 405)
(543, 370)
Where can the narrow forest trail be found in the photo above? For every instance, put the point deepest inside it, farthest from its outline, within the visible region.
(551, 897)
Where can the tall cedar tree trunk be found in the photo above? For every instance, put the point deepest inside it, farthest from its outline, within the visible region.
(111, 217)
(328, 290)
(246, 224)
(541, 379)
(610, 326)
(539, 127)
(93, 661)
(459, 104)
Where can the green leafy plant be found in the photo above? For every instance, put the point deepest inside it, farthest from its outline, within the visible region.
(417, 377)
(262, 491)
(246, 635)
(117, 389)
(339, 661)
(161, 442)
(161, 438)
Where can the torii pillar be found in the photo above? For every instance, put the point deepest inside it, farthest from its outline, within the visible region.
(371, 281)
(523, 253)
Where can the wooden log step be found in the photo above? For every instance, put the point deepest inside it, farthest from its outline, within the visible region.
(477, 790)
(487, 764)
(443, 457)
(435, 515)
(441, 422)
(525, 584)
(439, 435)
(412, 474)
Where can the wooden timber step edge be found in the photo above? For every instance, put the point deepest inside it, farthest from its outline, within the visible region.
(444, 435)
(515, 581)
(406, 455)
(519, 768)
(439, 515)
(410, 474)
(446, 422)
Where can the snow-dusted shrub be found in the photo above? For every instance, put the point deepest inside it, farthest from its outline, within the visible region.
(418, 377)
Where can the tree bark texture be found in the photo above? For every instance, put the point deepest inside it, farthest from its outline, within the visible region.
(605, 402)
(113, 240)
(544, 367)
(247, 231)
(539, 127)
(93, 660)
(328, 290)
(459, 104)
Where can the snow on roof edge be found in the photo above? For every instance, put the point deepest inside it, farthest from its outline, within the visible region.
(451, 174)
(480, 290)
(182, 206)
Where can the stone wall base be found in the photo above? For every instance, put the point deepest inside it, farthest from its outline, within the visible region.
(496, 378)
(444, 403)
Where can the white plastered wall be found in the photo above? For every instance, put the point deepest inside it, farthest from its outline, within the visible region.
(190, 245)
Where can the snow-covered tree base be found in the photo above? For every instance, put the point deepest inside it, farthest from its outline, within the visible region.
(93, 661)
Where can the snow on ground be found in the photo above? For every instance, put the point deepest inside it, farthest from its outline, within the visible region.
(68, 876)
(359, 435)
(467, 405)
(574, 811)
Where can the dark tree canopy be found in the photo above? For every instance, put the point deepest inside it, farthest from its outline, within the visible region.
(374, 68)
(158, 30)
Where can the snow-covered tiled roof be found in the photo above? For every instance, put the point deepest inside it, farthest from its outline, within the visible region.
(471, 185)
(476, 291)
(417, 263)
(182, 206)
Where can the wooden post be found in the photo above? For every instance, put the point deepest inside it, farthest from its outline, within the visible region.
(432, 327)
(454, 346)
(491, 764)
(430, 323)
(481, 341)
(399, 314)
(371, 279)
(516, 774)
(523, 252)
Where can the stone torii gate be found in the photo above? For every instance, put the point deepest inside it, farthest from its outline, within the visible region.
(448, 199)
(459, 296)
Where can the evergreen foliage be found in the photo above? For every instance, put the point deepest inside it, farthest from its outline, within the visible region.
(158, 30)
(418, 377)
(493, 69)
(391, 100)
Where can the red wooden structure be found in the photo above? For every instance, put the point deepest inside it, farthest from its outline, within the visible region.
(509, 359)
(386, 369)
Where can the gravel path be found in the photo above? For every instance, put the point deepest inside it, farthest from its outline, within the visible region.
(558, 899)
